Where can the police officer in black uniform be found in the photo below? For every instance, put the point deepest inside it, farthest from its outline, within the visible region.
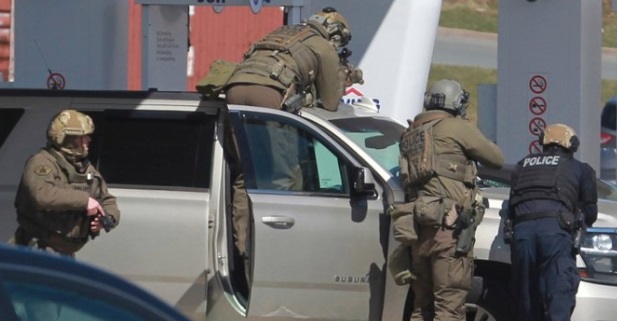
(552, 195)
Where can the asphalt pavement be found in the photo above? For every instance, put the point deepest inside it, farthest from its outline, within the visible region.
(479, 49)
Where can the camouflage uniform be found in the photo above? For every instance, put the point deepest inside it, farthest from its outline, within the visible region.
(443, 277)
(52, 201)
(316, 64)
(273, 70)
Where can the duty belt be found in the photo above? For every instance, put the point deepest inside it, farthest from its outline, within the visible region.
(42, 232)
(75, 240)
(534, 216)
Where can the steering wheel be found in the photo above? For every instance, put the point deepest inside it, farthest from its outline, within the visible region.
(395, 171)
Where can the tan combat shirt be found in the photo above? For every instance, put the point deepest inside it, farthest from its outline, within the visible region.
(459, 138)
(47, 199)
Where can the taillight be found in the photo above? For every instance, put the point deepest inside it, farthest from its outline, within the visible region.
(605, 138)
(583, 272)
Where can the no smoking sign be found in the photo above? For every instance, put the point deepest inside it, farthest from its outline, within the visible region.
(56, 81)
(537, 105)
(535, 147)
(537, 84)
(536, 126)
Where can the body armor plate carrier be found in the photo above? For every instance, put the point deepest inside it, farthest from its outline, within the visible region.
(286, 40)
(420, 162)
(539, 178)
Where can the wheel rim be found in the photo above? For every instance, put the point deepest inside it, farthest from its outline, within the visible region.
(478, 313)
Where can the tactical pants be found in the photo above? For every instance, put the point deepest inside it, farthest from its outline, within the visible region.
(543, 271)
(443, 279)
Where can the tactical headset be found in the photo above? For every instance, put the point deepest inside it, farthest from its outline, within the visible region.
(561, 135)
(335, 25)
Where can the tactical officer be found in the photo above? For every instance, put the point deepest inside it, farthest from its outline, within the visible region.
(62, 199)
(294, 66)
(296, 59)
(548, 192)
(439, 152)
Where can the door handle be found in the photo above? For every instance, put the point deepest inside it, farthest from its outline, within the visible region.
(283, 222)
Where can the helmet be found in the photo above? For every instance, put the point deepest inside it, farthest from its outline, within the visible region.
(68, 122)
(334, 25)
(560, 134)
(447, 94)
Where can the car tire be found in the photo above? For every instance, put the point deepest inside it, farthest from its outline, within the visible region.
(490, 300)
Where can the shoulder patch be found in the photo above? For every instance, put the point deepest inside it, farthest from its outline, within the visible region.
(42, 170)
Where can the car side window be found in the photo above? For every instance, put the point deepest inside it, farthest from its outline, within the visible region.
(321, 169)
(8, 119)
(40, 301)
(151, 148)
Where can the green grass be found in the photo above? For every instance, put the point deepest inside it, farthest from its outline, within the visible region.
(481, 15)
(461, 17)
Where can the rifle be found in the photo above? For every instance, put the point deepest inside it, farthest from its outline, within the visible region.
(294, 102)
(344, 55)
(354, 75)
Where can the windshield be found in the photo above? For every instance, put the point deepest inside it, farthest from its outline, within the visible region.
(378, 136)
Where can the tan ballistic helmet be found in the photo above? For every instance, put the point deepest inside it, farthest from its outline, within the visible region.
(68, 122)
(561, 135)
(335, 25)
(447, 94)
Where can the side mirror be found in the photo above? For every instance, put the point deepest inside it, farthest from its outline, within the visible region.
(363, 182)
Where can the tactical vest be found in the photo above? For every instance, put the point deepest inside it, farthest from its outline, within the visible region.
(540, 177)
(419, 161)
(67, 230)
(280, 45)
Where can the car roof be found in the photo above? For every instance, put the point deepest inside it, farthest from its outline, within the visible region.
(21, 258)
(361, 108)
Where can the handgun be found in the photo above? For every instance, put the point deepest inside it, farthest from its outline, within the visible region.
(107, 221)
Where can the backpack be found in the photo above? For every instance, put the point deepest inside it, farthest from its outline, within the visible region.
(214, 82)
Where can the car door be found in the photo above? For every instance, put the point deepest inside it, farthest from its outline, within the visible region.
(318, 252)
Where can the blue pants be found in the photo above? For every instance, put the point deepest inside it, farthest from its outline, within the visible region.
(543, 271)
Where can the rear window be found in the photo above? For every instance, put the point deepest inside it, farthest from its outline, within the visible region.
(152, 148)
(8, 119)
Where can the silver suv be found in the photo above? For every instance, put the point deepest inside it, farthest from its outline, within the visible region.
(320, 253)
